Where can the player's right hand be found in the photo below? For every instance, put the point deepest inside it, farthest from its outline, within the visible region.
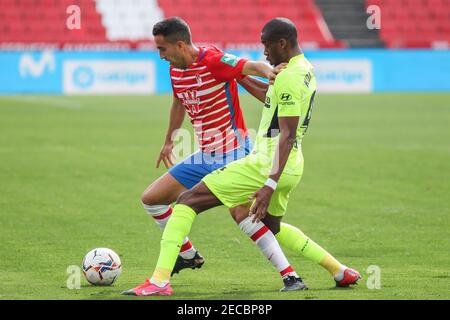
(165, 155)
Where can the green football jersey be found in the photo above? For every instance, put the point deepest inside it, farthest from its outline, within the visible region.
(291, 95)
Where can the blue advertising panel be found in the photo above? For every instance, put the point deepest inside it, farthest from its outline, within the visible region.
(374, 70)
(30, 72)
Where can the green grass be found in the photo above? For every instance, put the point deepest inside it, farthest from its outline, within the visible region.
(376, 191)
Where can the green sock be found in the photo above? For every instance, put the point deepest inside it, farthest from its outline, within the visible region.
(293, 238)
(176, 230)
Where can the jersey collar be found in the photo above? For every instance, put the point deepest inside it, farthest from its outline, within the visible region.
(296, 58)
(201, 54)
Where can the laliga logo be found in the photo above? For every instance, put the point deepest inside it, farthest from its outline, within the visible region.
(83, 77)
(28, 67)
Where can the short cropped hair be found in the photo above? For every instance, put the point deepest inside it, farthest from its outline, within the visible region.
(173, 29)
(280, 28)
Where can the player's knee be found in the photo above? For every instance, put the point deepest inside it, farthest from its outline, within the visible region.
(235, 217)
(239, 214)
(147, 199)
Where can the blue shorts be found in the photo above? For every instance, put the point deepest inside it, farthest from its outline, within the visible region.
(191, 170)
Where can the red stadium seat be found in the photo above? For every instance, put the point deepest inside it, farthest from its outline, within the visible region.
(405, 23)
(240, 21)
(46, 22)
(413, 23)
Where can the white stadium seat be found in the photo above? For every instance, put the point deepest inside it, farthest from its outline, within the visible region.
(129, 19)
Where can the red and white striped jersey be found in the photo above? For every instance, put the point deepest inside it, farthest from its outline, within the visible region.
(208, 90)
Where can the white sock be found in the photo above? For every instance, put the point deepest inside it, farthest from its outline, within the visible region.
(340, 275)
(187, 250)
(161, 215)
(268, 244)
(158, 283)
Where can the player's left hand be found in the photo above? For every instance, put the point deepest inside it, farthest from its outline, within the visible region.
(261, 203)
(276, 71)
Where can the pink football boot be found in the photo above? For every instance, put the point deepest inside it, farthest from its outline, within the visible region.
(149, 289)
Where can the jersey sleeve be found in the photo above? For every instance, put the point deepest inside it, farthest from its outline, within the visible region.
(289, 96)
(173, 90)
(225, 66)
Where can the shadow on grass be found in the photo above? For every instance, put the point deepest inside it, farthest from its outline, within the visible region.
(234, 294)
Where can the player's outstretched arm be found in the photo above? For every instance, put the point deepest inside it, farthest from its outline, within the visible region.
(258, 68)
(258, 88)
(255, 87)
(177, 114)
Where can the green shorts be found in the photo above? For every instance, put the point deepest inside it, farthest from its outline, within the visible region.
(236, 182)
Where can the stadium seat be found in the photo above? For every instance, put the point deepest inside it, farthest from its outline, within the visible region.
(129, 19)
(414, 23)
(240, 22)
(46, 22)
(405, 23)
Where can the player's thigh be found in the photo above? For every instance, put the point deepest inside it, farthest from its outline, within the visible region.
(164, 191)
(280, 198)
(199, 198)
(235, 183)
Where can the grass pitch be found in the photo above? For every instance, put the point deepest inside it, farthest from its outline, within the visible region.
(375, 191)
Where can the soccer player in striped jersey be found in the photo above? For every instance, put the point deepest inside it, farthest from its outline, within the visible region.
(204, 86)
(268, 174)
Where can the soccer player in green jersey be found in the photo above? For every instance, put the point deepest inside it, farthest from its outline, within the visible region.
(258, 186)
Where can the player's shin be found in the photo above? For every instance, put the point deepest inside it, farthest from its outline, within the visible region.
(176, 230)
(161, 214)
(268, 244)
(293, 238)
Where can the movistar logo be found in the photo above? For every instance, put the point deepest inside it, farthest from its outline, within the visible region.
(29, 67)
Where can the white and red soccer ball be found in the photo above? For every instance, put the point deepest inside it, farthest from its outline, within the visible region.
(101, 266)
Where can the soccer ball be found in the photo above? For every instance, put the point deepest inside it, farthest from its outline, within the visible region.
(101, 266)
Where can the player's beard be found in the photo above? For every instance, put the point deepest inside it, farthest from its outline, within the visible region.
(276, 60)
(179, 64)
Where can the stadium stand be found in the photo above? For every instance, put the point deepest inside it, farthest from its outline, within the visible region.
(128, 22)
(347, 21)
(45, 21)
(125, 24)
(414, 23)
(240, 22)
(129, 19)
